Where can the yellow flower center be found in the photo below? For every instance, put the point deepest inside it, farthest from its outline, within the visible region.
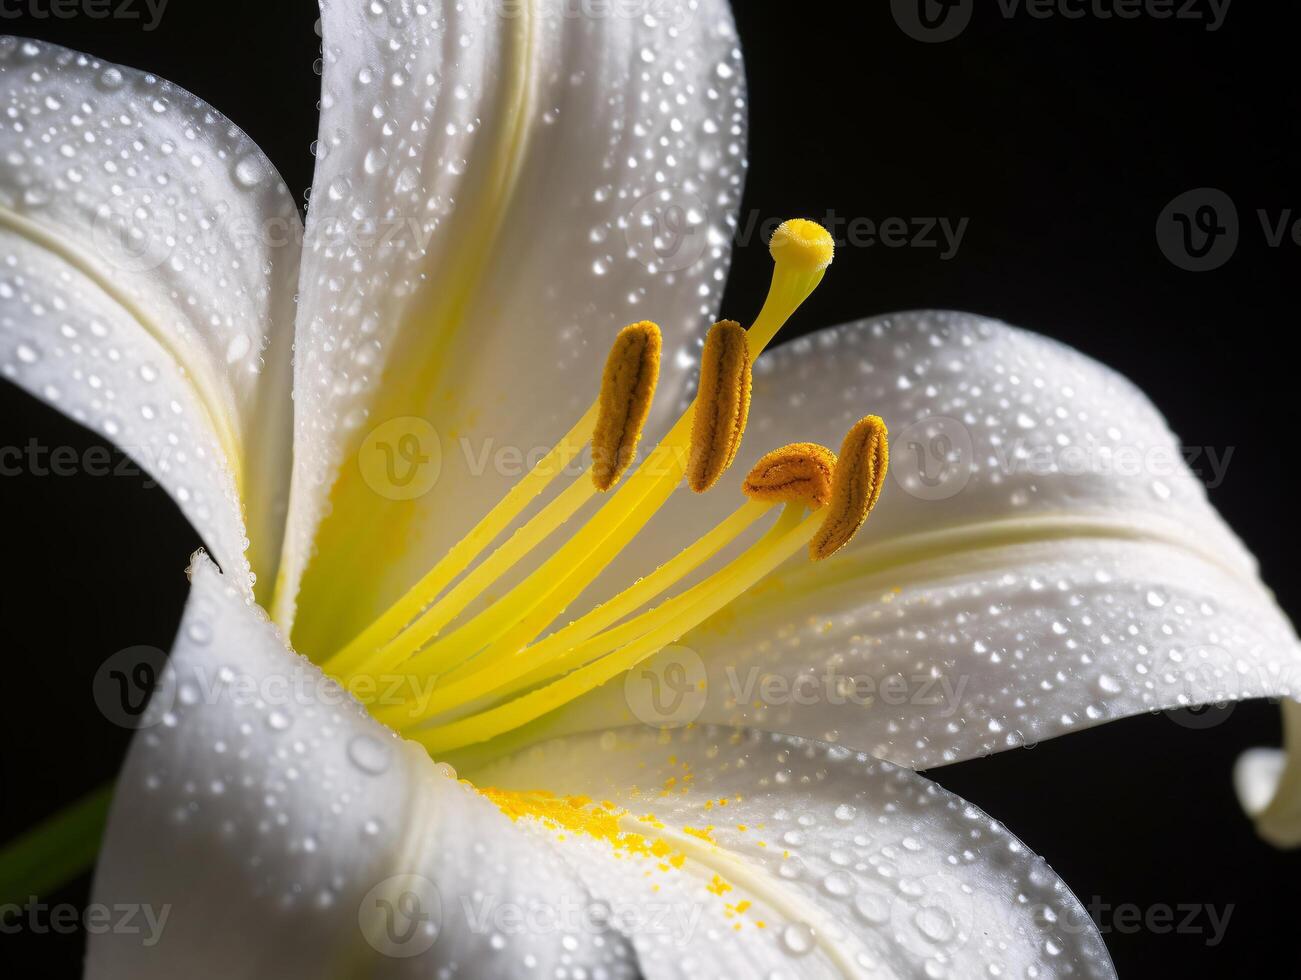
(495, 670)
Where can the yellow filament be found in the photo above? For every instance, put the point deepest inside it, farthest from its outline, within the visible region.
(799, 473)
(860, 475)
(631, 373)
(674, 617)
(466, 550)
(451, 605)
(514, 620)
(536, 601)
(722, 404)
(563, 650)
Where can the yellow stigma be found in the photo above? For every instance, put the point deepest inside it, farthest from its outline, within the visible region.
(631, 373)
(722, 404)
(860, 475)
(803, 244)
(799, 473)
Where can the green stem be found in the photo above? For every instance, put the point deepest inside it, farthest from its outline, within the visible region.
(56, 851)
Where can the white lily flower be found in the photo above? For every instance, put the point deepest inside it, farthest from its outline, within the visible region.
(472, 248)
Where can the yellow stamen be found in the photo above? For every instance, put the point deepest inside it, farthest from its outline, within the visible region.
(465, 551)
(486, 658)
(525, 611)
(860, 475)
(799, 473)
(631, 373)
(722, 404)
(498, 673)
(669, 622)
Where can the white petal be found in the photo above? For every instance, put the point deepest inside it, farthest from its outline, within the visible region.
(1269, 784)
(856, 868)
(264, 820)
(1031, 598)
(149, 259)
(506, 158)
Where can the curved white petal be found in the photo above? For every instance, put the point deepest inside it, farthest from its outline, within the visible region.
(266, 826)
(149, 259)
(853, 867)
(481, 224)
(1065, 569)
(1269, 783)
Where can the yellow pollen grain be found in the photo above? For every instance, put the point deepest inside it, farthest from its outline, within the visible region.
(578, 815)
(722, 404)
(631, 373)
(860, 475)
(799, 473)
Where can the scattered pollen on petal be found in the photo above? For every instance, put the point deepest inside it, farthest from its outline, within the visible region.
(802, 472)
(627, 388)
(722, 405)
(860, 475)
(803, 244)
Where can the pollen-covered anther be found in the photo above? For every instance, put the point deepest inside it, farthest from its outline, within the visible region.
(722, 404)
(627, 389)
(856, 487)
(799, 473)
(803, 244)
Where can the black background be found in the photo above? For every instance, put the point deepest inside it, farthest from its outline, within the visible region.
(1061, 140)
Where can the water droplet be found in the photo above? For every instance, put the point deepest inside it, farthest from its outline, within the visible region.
(935, 924)
(369, 754)
(798, 939)
(238, 347)
(249, 171)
